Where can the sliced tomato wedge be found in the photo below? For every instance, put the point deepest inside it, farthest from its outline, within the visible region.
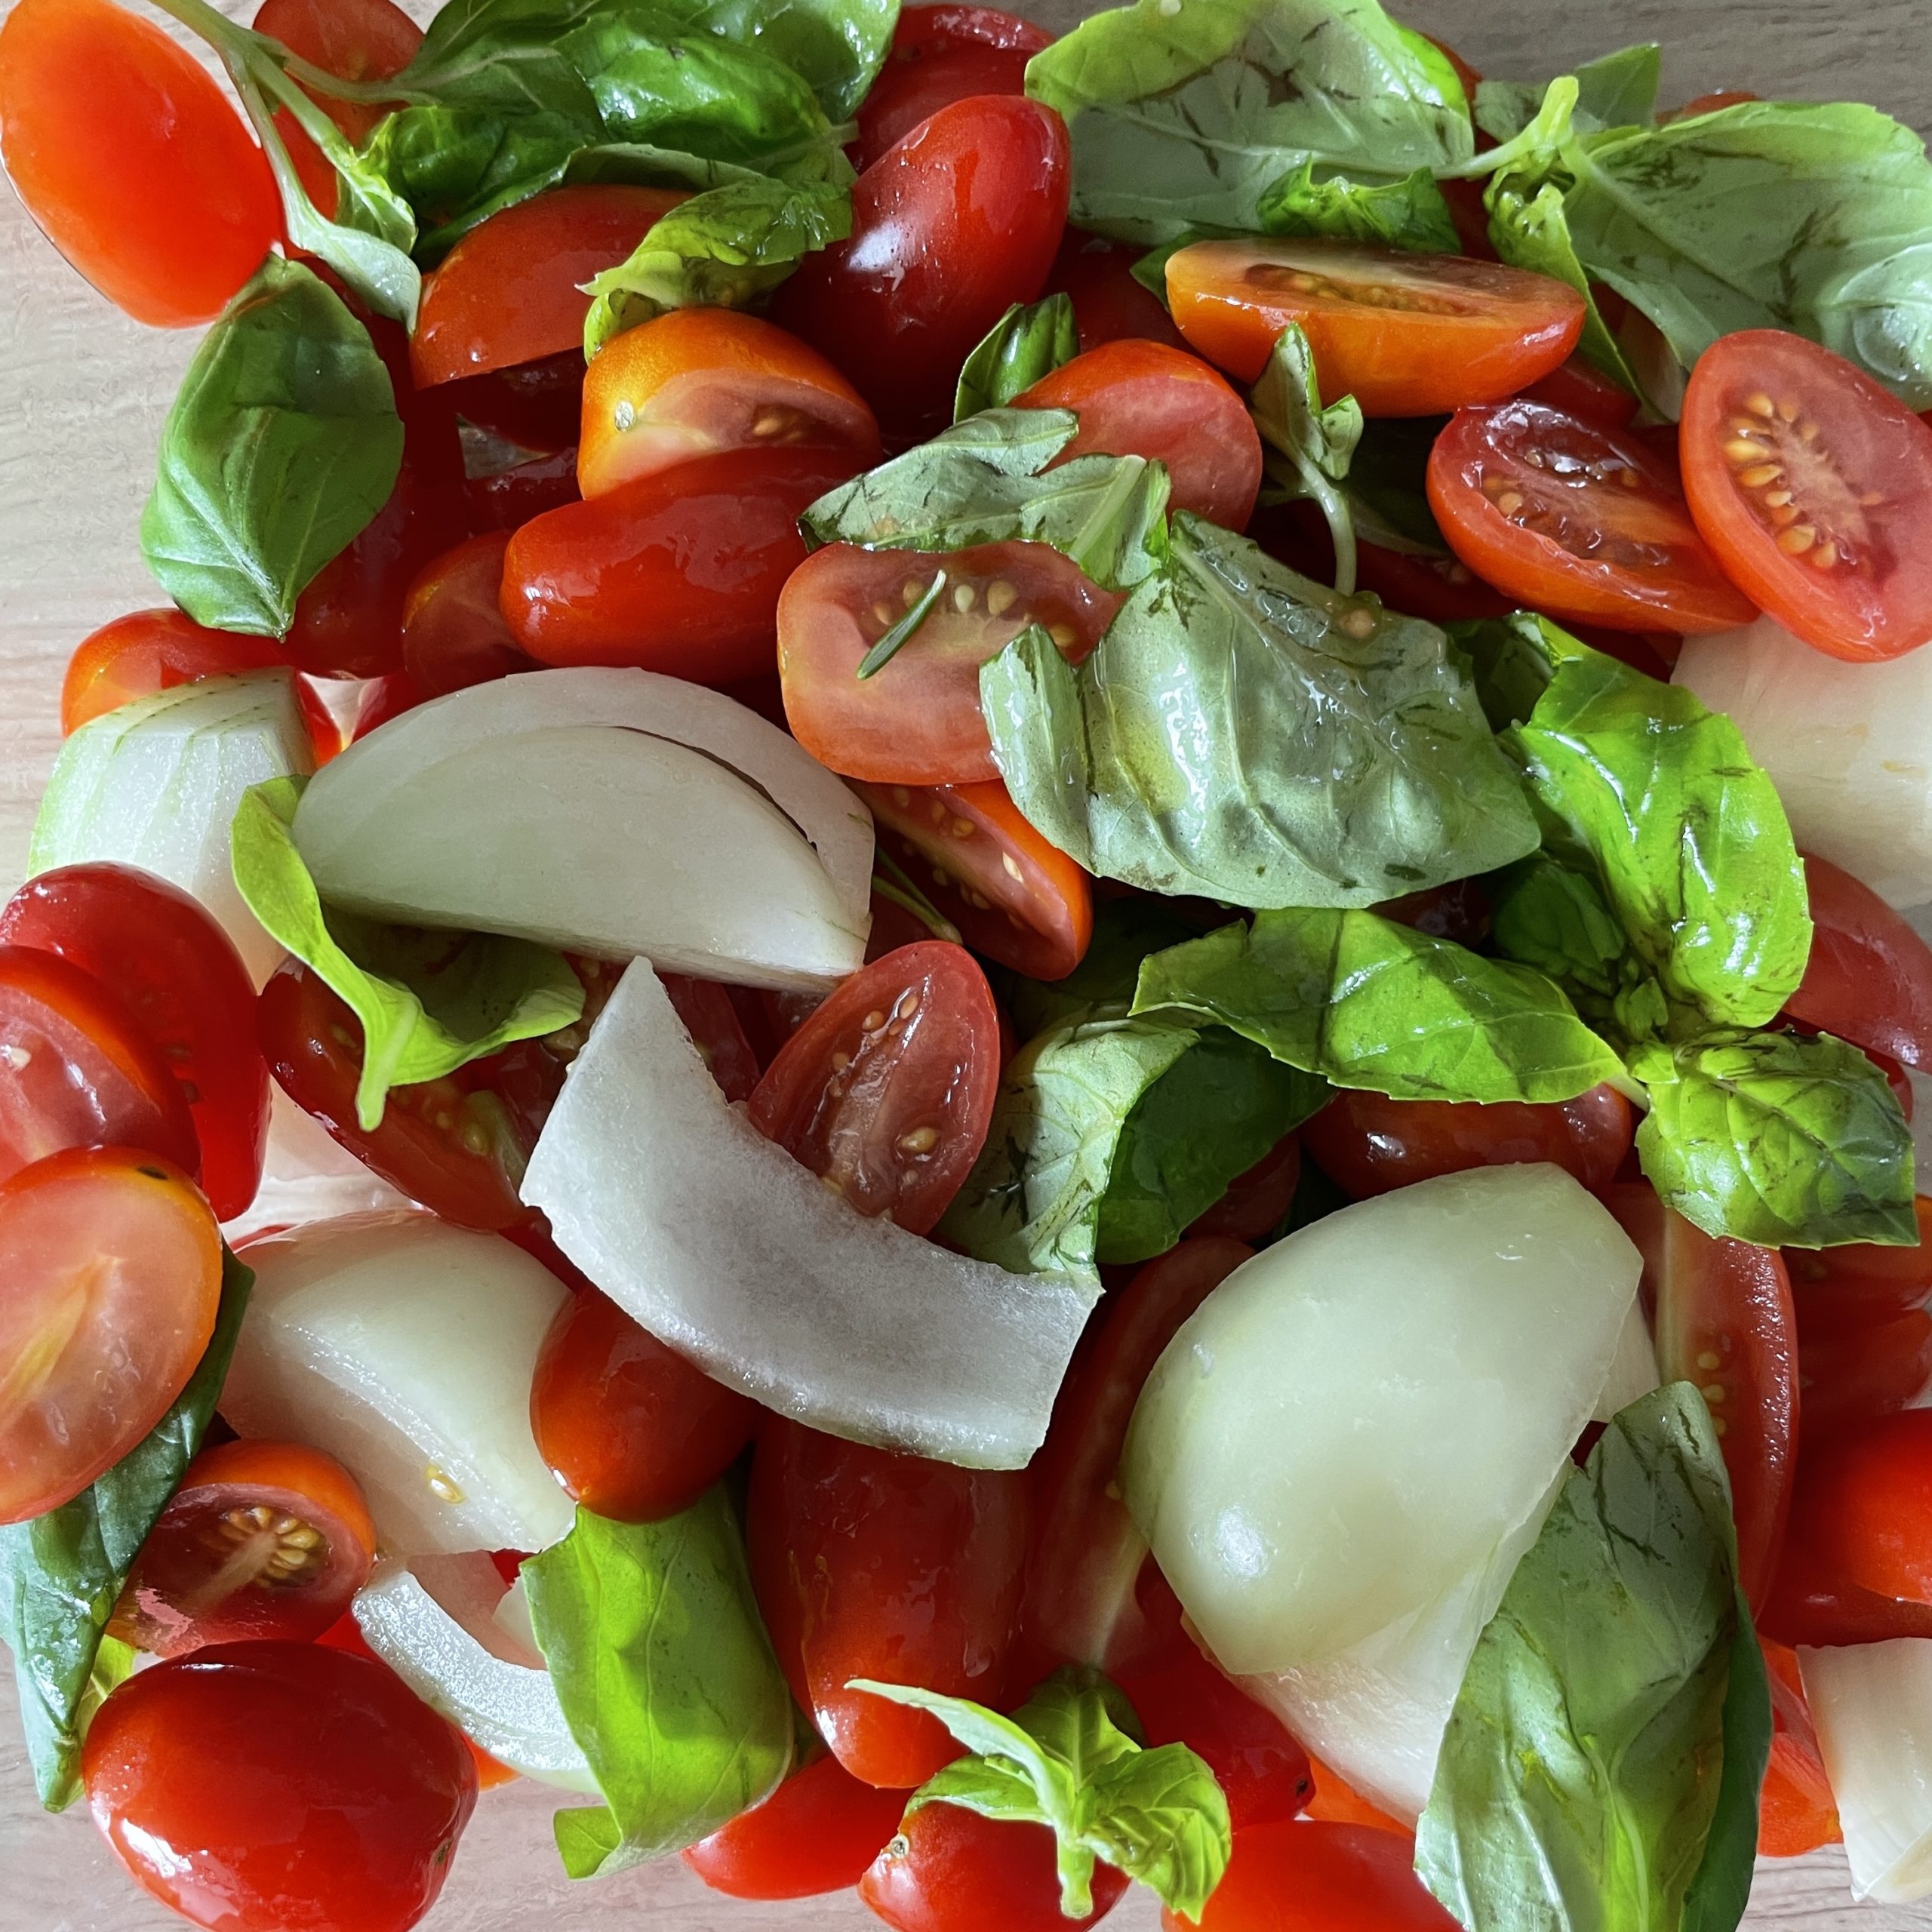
(453, 631)
(941, 54)
(1796, 1811)
(1579, 520)
(536, 406)
(507, 499)
(1870, 977)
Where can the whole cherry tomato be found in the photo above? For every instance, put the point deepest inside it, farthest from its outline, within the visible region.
(950, 1870)
(354, 40)
(453, 634)
(1796, 1812)
(816, 1833)
(1860, 1285)
(941, 54)
(1110, 302)
(1849, 1375)
(1309, 1878)
(1870, 977)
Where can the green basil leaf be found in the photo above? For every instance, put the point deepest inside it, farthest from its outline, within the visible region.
(62, 1573)
(1721, 1889)
(1529, 229)
(837, 46)
(1247, 735)
(283, 442)
(428, 1002)
(1409, 213)
(1319, 443)
(666, 1680)
(1776, 1140)
(1613, 91)
(1513, 659)
(1031, 341)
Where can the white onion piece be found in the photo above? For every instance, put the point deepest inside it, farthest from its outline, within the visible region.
(728, 1249)
(1634, 1371)
(405, 1348)
(1872, 1706)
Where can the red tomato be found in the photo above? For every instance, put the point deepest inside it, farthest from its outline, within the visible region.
(1337, 1802)
(179, 977)
(885, 1093)
(252, 1787)
(1849, 1376)
(1862, 1512)
(1404, 334)
(870, 1564)
(1722, 1319)
(382, 699)
(354, 40)
(453, 634)
(506, 500)
(632, 1430)
(1870, 977)
(1579, 389)
(1144, 398)
(1582, 521)
(1708, 103)
(696, 382)
(1443, 589)
(111, 1264)
(1809, 481)
(941, 54)
(950, 229)
(536, 406)
(130, 160)
(1308, 1877)
(511, 290)
(679, 572)
(1796, 1812)
(1368, 1144)
(82, 1071)
(1460, 911)
(1256, 1202)
(1860, 1286)
(1109, 303)
(950, 1870)
(816, 1833)
(712, 1021)
(262, 1539)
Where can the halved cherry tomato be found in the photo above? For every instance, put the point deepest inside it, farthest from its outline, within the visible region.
(1849, 1375)
(712, 1022)
(80, 1070)
(1337, 1802)
(1256, 1202)
(816, 1833)
(536, 406)
(950, 1870)
(949, 227)
(262, 1539)
(382, 699)
(695, 382)
(354, 40)
(1579, 389)
(512, 289)
(1109, 303)
(1870, 977)
(886, 1091)
(679, 572)
(453, 634)
(631, 1429)
(1722, 1319)
(252, 1785)
(1860, 1286)
(1404, 334)
(1581, 522)
(179, 977)
(506, 500)
(1809, 480)
(941, 54)
(1144, 398)
(1796, 1812)
(130, 160)
(1368, 1144)
(110, 1273)
(870, 1564)
(1310, 1878)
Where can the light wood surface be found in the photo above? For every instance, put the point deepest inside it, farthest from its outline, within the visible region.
(82, 394)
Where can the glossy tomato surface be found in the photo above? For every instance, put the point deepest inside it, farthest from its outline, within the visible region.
(1579, 389)
(1313, 1877)
(950, 1870)
(816, 1833)
(354, 40)
(1257, 1201)
(507, 499)
(1110, 302)
(1796, 1812)
(941, 54)
(1860, 1285)
(1870, 977)
(1850, 1376)
(256, 1787)
(710, 1017)
(148, 651)
(454, 631)
(535, 406)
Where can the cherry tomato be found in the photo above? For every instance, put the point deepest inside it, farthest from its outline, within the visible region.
(254, 1786)
(536, 406)
(1337, 1802)
(632, 1431)
(382, 699)
(1870, 977)
(1708, 103)
(885, 1093)
(712, 1022)
(111, 1264)
(1723, 1319)
(1849, 1375)
(262, 1539)
(816, 1833)
(1579, 389)
(129, 158)
(950, 1870)
(511, 290)
(506, 500)
(81, 1070)
(916, 720)
(1861, 1512)
(453, 634)
(1460, 911)
(950, 228)
(1796, 1812)
(1144, 398)
(1582, 521)
(696, 382)
(1110, 302)
(941, 54)
(354, 40)
(870, 1564)
(179, 977)
(1257, 1202)
(1404, 334)
(1860, 1286)
(1309, 1878)
(679, 572)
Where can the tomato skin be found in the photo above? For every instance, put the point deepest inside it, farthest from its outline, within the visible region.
(632, 1430)
(1796, 1813)
(1256, 1202)
(1860, 1286)
(816, 1833)
(180, 977)
(1311, 1877)
(538, 405)
(1870, 977)
(949, 227)
(869, 1565)
(679, 572)
(1850, 1376)
(453, 634)
(153, 650)
(508, 498)
(1337, 1802)
(1579, 390)
(950, 1870)
(1097, 276)
(258, 1785)
(354, 40)
(941, 54)
(712, 1021)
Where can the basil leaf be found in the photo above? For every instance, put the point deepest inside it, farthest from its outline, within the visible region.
(1613, 91)
(1409, 213)
(62, 1573)
(428, 1002)
(1070, 1758)
(1318, 443)
(1513, 660)
(1579, 1781)
(283, 442)
(1721, 1889)
(1031, 341)
(1243, 734)
(666, 1680)
(1125, 932)
(1529, 229)
(1366, 1002)
(1776, 1140)
(837, 46)
(1185, 117)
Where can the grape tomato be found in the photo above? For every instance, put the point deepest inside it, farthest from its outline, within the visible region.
(354, 40)
(950, 1870)
(816, 1833)
(1870, 977)
(941, 54)
(1110, 303)
(454, 634)
(1301, 1877)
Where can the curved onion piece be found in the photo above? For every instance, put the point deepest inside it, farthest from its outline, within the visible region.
(1872, 1706)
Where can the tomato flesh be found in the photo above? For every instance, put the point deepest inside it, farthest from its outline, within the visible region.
(1870, 977)
(1110, 302)
(1313, 1877)
(816, 1833)
(941, 54)
(507, 499)
(950, 1870)
(453, 634)
(711, 1018)
(1796, 1812)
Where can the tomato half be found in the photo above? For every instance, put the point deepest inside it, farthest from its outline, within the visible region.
(695, 382)
(941, 54)
(256, 1786)
(950, 1870)
(1809, 482)
(1110, 302)
(816, 1833)
(354, 40)
(1796, 1812)
(1311, 1877)
(711, 1018)
(453, 634)
(1144, 398)
(110, 1273)
(1870, 977)
(1579, 388)
(1849, 1376)
(180, 978)
(506, 499)
(679, 571)
(870, 1564)
(885, 1093)
(1860, 1286)
(1581, 522)
(1404, 334)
